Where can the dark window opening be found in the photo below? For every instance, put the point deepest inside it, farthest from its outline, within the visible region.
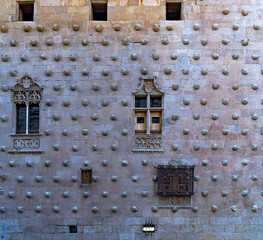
(99, 11)
(140, 119)
(33, 118)
(155, 120)
(140, 102)
(33, 126)
(173, 11)
(156, 102)
(175, 180)
(73, 229)
(86, 176)
(20, 118)
(26, 11)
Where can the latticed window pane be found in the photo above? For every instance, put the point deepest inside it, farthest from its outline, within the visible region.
(175, 180)
(33, 118)
(20, 118)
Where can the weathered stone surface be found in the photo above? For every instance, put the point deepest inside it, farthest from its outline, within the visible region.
(209, 67)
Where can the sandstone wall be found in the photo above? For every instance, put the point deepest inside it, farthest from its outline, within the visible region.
(210, 68)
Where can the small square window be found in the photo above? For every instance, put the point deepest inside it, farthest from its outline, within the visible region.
(175, 180)
(73, 229)
(155, 120)
(26, 11)
(99, 12)
(86, 176)
(140, 119)
(173, 11)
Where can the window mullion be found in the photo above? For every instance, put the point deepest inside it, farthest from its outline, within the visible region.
(27, 117)
(148, 115)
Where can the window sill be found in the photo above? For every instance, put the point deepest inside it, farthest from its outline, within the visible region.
(26, 135)
(86, 185)
(25, 151)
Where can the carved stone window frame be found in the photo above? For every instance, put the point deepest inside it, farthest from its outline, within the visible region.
(148, 141)
(26, 90)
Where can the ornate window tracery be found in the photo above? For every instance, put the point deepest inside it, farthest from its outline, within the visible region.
(27, 96)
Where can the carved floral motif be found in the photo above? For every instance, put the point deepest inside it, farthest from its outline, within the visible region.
(148, 143)
(175, 201)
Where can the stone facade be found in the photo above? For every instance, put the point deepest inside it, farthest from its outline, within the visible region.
(209, 68)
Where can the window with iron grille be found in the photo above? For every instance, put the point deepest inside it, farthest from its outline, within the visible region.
(175, 180)
(86, 176)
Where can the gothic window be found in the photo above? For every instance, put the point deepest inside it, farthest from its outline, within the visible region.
(175, 180)
(26, 96)
(148, 107)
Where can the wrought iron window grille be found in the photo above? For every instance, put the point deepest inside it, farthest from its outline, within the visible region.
(175, 180)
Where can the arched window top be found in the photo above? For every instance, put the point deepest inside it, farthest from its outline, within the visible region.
(26, 90)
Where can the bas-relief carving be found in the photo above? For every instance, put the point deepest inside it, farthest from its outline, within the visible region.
(175, 201)
(28, 143)
(148, 85)
(147, 143)
(26, 97)
(26, 90)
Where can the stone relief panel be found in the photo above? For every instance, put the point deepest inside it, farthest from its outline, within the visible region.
(148, 143)
(175, 201)
(29, 143)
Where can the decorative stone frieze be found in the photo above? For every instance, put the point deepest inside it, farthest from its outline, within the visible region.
(148, 144)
